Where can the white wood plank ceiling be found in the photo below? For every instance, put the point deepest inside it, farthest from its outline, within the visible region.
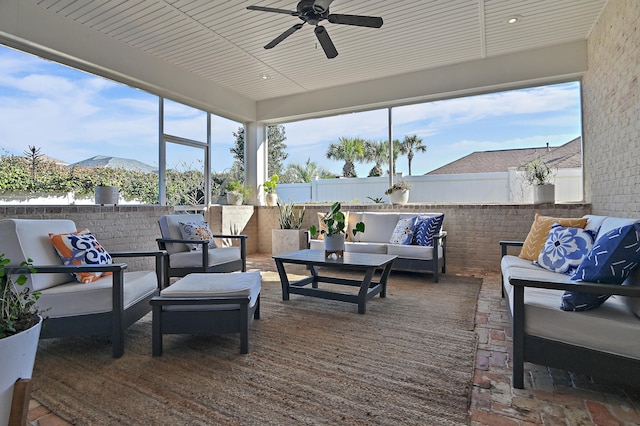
(222, 41)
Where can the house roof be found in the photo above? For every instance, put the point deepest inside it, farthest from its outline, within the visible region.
(116, 162)
(210, 55)
(562, 157)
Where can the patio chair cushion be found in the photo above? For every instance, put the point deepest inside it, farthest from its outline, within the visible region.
(24, 239)
(198, 231)
(217, 256)
(74, 298)
(170, 228)
(78, 248)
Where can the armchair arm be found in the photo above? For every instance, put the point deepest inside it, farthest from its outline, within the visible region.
(160, 257)
(505, 244)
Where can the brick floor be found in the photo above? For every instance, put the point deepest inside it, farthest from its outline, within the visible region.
(550, 397)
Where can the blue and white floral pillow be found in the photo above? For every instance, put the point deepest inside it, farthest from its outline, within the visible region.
(403, 232)
(565, 249)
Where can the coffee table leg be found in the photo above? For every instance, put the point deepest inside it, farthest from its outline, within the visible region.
(314, 272)
(383, 279)
(364, 289)
(284, 281)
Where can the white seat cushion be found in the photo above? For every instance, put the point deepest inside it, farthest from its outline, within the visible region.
(413, 252)
(76, 298)
(235, 284)
(217, 256)
(376, 248)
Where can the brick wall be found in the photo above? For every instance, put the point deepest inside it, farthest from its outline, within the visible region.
(117, 228)
(474, 231)
(611, 111)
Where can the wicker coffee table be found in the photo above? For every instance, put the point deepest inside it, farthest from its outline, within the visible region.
(314, 259)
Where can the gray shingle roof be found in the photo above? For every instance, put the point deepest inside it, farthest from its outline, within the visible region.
(562, 157)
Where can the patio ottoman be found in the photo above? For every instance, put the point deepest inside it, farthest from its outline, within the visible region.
(207, 304)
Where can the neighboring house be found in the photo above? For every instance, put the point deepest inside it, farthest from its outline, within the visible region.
(116, 162)
(567, 156)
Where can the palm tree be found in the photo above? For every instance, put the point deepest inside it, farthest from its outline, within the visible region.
(409, 145)
(297, 173)
(378, 152)
(348, 150)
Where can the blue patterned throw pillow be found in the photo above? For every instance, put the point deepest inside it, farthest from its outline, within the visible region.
(403, 232)
(612, 258)
(565, 249)
(426, 228)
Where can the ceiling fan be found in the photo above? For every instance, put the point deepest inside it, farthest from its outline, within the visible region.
(314, 11)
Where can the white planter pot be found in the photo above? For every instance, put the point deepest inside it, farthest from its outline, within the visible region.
(287, 240)
(334, 244)
(399, 197)
(106, 195)
(18, 353)
(234, 198)
(544, 193)
(272, 200)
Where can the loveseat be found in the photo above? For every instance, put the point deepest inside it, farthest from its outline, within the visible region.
(379, 229)
(593, 335)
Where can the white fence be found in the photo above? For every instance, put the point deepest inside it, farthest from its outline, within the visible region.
(498, 187)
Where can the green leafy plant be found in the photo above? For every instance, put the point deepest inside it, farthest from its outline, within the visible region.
(238, 188)
(334, 221)
(270, 185)
(290, 216)
(537, 172)
(17, 306)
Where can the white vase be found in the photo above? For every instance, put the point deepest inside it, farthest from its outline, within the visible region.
(18, 354)
(399, 197)
(334, 244)
(106, 195)
(544, 193)
(271, 199)
(234, 198)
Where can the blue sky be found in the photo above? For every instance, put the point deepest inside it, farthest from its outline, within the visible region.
(73, 115)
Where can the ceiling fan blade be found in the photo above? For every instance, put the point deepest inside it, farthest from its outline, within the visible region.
(325, 42)
(284, 35)
(273, 9)
(358, 20)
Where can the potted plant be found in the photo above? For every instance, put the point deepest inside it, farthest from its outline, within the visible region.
(20, 325)
(540, 174)
(236, 193)
(270, 189)
(289, 237)
(334, 230)
(399, 192)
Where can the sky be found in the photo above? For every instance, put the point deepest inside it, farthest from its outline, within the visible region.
(71, 116)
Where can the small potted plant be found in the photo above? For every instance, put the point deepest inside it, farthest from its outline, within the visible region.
(270, 189)
(540, 174)
(289, 237)
(334, 230)
(399, 192)
(20, 324)
(236, 193)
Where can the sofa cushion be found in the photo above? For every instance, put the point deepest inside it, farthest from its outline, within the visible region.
(403, 231)
(378, 227)
(81, 248)
(426, 228)
(565, 249)
(540, 231)
(197, 231)
(413, 251)
(375, 248)
(217, 256)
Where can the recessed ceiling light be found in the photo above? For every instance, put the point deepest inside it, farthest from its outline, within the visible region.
(265, 76)
(514, 19)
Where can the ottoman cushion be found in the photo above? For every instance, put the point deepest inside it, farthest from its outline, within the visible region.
(235, 284)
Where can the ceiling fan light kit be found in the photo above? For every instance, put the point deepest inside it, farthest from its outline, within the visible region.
(313, 12)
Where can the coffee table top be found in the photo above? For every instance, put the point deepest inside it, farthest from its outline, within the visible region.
(316, 257)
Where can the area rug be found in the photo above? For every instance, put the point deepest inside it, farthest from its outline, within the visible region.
(408, 360)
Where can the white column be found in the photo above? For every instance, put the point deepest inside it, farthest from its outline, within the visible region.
(255, 160)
